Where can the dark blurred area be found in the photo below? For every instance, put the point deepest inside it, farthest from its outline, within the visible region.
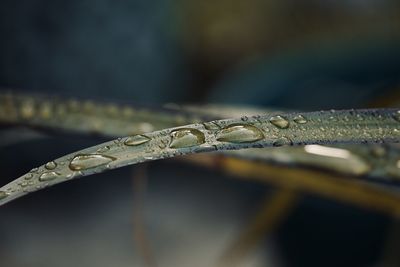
(302, 55)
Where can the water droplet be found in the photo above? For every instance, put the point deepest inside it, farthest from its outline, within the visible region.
(118, 141)
(333, 118)
(136, 140)
(346, 118)
(87, 161)
(300, 119)
(282, 141)
(28, 176)
(103, 149)
(279, 122)
(3, 195)
(48, 176)
(211, 126)
(163, 143)
(396, 116)
(359, 117)
(240, 133)
(186, 137)
(50, 165)
(163, 133)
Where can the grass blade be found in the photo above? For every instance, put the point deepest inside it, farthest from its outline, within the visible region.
(323, 127)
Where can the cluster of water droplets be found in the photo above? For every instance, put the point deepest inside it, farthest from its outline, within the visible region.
(256, 131)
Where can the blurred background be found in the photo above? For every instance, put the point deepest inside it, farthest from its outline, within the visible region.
(287, 54)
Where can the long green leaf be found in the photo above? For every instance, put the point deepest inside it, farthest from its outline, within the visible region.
(324, 127)
(112, 120)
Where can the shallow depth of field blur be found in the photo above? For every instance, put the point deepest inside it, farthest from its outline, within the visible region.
(282, 54)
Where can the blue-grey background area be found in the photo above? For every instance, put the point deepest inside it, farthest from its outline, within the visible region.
(338, 75)
(134, 51)
(91, 49)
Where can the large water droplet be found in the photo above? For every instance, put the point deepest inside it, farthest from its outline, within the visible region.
(87, 161)
(136, 140)
(48, 176)
(279, 122)
(300, 119)
(240, 133)
(3, 194)
(50, 165)
(186, 137)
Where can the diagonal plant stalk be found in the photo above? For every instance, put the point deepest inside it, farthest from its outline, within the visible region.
(109, 120)
(357, 193)
(324, 127)
(273, 211)
(79, 116)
